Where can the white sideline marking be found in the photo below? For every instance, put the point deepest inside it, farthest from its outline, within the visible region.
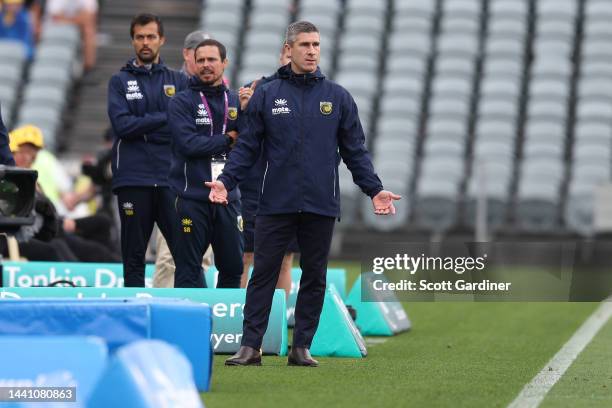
(534, 392)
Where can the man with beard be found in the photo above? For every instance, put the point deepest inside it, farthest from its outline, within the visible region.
(204, 123)
(163, 277)
(138, 97)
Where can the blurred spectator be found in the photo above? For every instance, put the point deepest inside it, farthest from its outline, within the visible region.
(83, 14)
(52, 177)
(101, 174)
(15, 25)
(191, 42)
(87, 238)
(6, 157)
(34, 8)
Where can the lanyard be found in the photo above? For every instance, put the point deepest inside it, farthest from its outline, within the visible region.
(210, 115)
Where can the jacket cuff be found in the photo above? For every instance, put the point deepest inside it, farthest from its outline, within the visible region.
(227, 182)
(372, 193)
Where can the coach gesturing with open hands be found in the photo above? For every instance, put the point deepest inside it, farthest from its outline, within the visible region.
(302, 122)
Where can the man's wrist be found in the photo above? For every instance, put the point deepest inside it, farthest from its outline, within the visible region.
(375, 192)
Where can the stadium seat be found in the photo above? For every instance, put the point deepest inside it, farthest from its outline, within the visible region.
(422, 7)
(502, 46)
(60, 34)
(509, 9)
(495, 128)
(436, 205)
(595, 109)
(458, 44)
(412, 23)
(10, 73)
(12, 52)
(400, 105)
(561, 9)
(492, 107)
(455, 65)
(547, 108)
(413, 44)
(452, 86)
(460, 7)
(399, 65)
(537, 206)
(450, 128)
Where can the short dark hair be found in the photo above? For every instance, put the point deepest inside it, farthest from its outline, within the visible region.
(144, 19)
(212, 43)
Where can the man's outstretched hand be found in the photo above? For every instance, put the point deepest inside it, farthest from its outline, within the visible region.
(218, 193)
(383, 202)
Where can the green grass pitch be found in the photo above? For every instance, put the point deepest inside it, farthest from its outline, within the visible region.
(457, 355)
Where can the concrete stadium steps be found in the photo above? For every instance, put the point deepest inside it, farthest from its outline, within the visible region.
(87, 121)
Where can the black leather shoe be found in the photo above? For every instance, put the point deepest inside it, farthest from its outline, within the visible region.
(244, 357)
(300, 356)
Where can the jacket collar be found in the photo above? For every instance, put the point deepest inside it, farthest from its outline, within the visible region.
(131, 67)
(285, 72)
(197, 85)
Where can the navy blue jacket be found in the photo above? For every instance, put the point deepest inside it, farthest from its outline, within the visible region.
(137, 107)
(301, 122)
(192, 145)
(250, 187)
(6, 157)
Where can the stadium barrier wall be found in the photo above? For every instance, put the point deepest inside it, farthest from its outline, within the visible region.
(52, 361)
(226, 307)
(185, 324)
(146, 374)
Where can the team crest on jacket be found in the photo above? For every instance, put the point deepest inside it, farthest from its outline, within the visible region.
(240, 223)
(169, 90)
(232, 113)
(326, 108)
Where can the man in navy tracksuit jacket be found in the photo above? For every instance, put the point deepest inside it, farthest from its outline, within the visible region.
(303, 121)
(138, 97)
(250, 188)
(6, 157)
(204, 121)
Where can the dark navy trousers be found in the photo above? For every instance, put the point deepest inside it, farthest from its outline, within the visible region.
(139, 209)
(273, 234)
(202, 223)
